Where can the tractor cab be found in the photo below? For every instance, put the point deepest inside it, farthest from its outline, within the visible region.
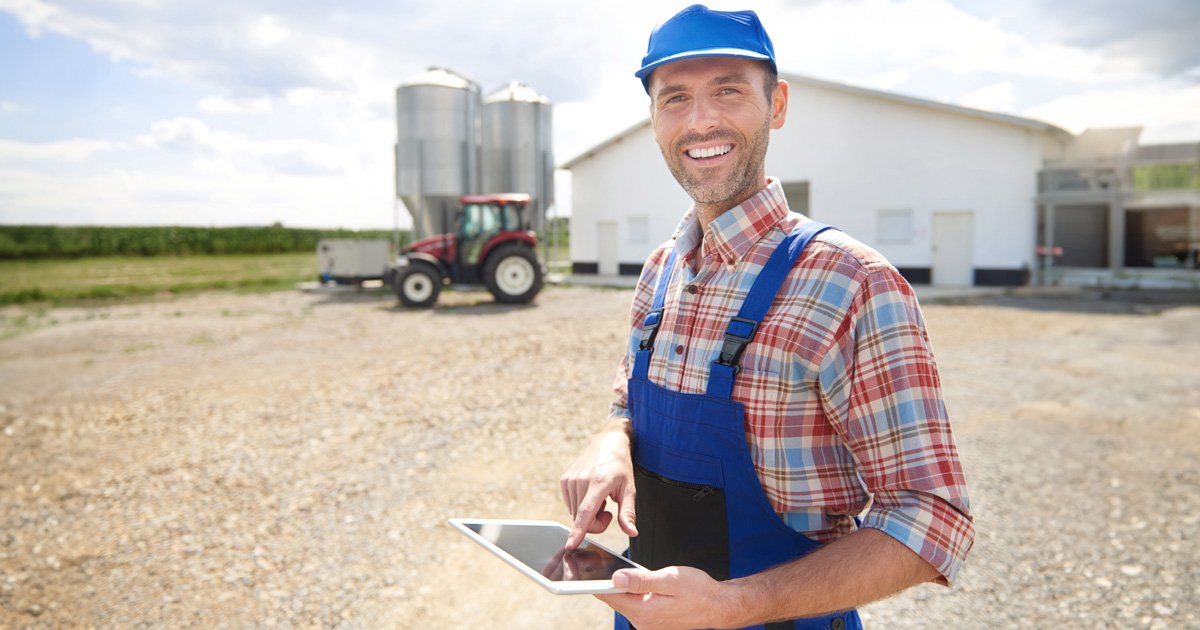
(491, 245)
(484, 222)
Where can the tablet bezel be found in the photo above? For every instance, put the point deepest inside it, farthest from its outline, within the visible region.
(558, 587)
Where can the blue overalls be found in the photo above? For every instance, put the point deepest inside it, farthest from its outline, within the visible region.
(699, 501)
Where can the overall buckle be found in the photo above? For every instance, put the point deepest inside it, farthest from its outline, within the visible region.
(650, 329)
(735, 342)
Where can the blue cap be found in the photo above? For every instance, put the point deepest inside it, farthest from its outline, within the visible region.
(698, 31)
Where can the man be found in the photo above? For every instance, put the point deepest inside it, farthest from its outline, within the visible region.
(778, 381)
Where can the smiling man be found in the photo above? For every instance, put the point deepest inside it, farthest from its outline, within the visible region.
(779, 452)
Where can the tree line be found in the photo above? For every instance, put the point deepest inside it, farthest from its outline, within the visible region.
(50, 241)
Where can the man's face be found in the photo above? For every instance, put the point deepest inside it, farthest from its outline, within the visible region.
(711, 120)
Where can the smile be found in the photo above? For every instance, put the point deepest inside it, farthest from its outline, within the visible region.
(708, 152)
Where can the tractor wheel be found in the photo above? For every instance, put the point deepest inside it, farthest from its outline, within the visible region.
(512, 274)
(417, 285)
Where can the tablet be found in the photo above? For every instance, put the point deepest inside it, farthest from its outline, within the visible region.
(537, 550)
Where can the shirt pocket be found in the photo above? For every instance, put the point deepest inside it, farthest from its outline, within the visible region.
(783, 411)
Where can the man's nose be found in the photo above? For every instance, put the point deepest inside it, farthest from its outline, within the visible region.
(703, 116)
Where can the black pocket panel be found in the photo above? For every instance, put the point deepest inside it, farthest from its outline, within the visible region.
(680, 524)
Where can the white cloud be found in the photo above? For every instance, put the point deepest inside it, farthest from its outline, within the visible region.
(33, 12)
(220, 105)
(194, 138)
(1166, 113)
(998, 97)
(268, 32)
(221, 44)
(580, 125)
(887, 79)
(876, 37)
(194, 197)
(15, 152)
(9, 107)
(300, 96)
(1158, 36)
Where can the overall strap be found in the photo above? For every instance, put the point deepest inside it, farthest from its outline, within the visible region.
(741, 328)
(641, 361)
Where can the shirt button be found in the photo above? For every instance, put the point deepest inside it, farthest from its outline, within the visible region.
(838, 624)
(693, 289)
(678, 349)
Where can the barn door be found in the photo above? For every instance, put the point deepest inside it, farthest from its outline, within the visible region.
(606, 248)
(953, 237)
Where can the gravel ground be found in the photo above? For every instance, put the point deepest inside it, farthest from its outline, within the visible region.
(290, 459)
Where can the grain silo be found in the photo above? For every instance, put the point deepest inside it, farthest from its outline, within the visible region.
(437, 147)
(517, 154)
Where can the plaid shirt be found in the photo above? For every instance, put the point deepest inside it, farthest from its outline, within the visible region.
(842, 396)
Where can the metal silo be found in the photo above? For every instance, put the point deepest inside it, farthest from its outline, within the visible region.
(517, 148)
(437, 147)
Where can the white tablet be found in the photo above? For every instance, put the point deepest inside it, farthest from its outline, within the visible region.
(537, 550)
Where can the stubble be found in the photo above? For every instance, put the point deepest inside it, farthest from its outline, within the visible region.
(710, 189)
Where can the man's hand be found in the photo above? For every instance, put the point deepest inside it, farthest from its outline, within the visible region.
(674, 597)
(849, 572)
(603, 470)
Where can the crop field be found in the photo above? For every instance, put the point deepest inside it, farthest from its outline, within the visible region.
(59, 281)
(25, 242)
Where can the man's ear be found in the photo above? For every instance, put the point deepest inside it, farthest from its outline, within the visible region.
(779, 104)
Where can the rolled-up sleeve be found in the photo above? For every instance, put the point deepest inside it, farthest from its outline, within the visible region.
(883, 396)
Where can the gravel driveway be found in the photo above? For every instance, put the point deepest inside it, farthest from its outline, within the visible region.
(290, 459)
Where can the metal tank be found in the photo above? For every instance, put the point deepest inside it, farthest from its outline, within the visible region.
(437, 147)
(517, 153)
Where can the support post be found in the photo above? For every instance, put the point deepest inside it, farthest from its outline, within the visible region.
(1116, 233)
(1048, 251)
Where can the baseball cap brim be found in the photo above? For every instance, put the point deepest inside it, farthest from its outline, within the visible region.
(645, 70)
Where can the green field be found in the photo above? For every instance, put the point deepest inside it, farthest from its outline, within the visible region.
(51, 264)
(59, 281)
(26, 242)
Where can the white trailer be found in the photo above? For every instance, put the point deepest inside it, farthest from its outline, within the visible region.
(351, 261)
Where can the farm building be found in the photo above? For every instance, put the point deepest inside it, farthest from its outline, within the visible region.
(1111, 211)
(952, 196)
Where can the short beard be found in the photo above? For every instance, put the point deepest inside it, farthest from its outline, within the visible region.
(741, 183)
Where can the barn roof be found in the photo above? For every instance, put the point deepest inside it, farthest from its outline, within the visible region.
(796, 79)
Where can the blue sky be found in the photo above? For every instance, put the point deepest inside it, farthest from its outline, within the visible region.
(202, 113)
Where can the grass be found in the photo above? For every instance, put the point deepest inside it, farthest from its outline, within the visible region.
(67, 281)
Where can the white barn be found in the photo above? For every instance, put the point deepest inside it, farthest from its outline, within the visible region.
(949, 194)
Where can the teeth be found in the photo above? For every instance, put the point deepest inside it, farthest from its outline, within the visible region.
(710, 151)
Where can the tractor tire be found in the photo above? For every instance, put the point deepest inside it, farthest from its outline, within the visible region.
(513, 274)
(417, 285)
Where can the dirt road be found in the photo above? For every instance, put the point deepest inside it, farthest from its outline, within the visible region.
(290, 459)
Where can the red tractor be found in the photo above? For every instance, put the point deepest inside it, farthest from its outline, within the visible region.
(491, 246)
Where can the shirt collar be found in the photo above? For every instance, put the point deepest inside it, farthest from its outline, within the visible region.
(731, 235)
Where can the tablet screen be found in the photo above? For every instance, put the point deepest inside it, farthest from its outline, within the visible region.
(540, 547)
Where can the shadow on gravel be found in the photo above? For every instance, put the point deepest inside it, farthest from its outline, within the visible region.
(1086, 301)
(451, 302)
(486, 307)
(354, 297)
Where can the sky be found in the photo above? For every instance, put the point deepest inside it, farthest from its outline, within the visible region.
(181, 112)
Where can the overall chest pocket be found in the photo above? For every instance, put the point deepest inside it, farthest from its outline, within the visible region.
(680, 524)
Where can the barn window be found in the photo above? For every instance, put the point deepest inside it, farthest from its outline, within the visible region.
(797, 194)
(894, 226)
(639, 229)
